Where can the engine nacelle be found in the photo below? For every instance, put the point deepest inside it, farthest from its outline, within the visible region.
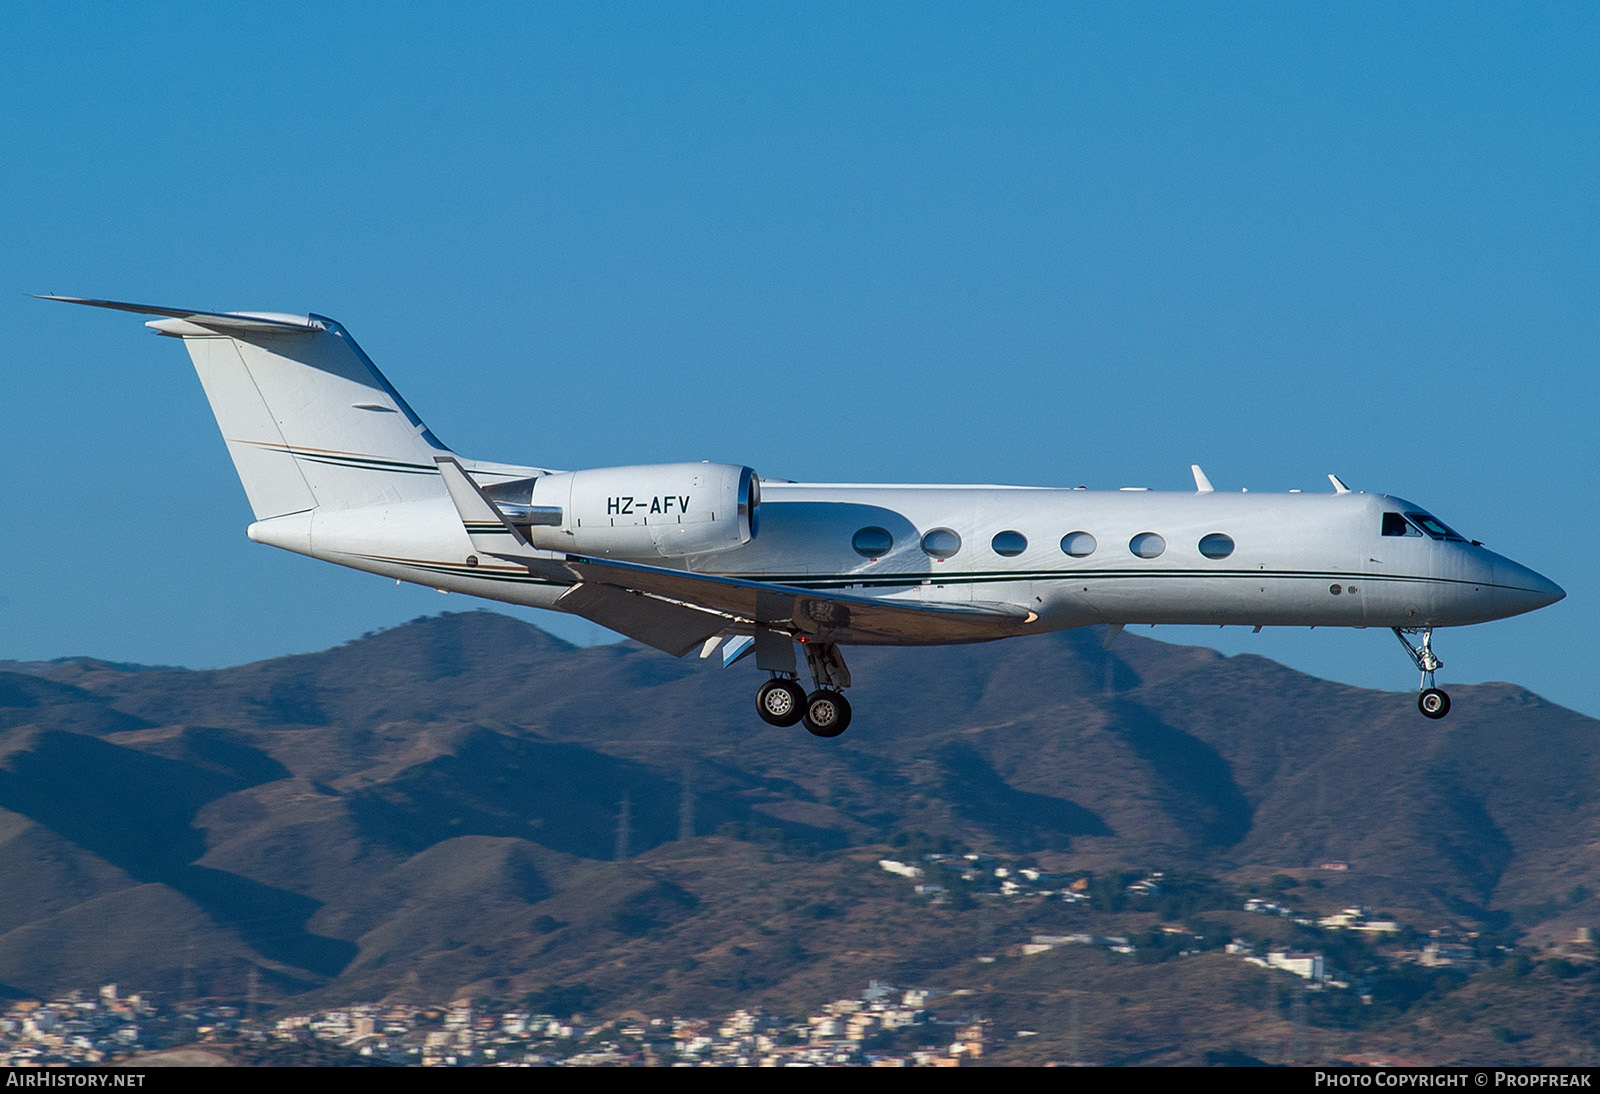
(655, 510)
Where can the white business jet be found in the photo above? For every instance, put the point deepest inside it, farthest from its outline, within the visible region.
(707, 556)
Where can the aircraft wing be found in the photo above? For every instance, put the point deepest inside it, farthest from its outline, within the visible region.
(824, 616)
(676, 610)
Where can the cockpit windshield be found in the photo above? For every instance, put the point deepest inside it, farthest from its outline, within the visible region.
(1396, 525)
(1419, 524)
(1434, 527)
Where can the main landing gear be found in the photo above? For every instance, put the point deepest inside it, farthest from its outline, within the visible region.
(825, 712)
(1432, 701)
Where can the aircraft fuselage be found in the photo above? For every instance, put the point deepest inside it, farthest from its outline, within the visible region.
(1286, 560)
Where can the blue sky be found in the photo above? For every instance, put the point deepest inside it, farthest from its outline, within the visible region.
(1043, 244)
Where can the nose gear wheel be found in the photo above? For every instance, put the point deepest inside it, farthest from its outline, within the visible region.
(1432, 701)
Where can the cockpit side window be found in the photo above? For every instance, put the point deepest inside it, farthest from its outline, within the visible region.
(1436, 528)
(1396, 525)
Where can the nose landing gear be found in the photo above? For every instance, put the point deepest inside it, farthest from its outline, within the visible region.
(1432, 701)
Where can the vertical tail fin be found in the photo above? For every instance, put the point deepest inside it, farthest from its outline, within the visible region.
(309, 420)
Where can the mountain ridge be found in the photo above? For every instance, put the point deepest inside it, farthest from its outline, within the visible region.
(320, 815)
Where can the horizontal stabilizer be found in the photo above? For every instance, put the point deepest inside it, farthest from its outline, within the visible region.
(222, 322)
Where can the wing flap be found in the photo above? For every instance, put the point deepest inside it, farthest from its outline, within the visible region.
(671, 628)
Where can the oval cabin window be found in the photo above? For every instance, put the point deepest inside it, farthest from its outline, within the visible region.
(1216, 545)
(872, 542)
(941, 543)
(1078, 544)
(1147, 545)
(1009, 544)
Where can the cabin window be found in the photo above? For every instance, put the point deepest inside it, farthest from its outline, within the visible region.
(1078, 544)
(1396, 525)
(1147, 545)
(1009, 544)
(872, 542)
(1216, 545)
(941, 543)
(1436, 528)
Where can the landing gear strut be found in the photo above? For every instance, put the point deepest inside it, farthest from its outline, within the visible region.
(826, 712)
(1432, 701)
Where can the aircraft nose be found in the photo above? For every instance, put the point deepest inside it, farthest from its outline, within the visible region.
(1519, 589)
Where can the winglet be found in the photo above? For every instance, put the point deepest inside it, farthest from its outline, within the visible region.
(737, 649)
(1338, 485)
(1202, 485)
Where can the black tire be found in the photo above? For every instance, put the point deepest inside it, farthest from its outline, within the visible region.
(827, 713)
(1433, 703)
(781, 703)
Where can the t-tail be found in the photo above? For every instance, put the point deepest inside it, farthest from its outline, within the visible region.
(309, 420)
